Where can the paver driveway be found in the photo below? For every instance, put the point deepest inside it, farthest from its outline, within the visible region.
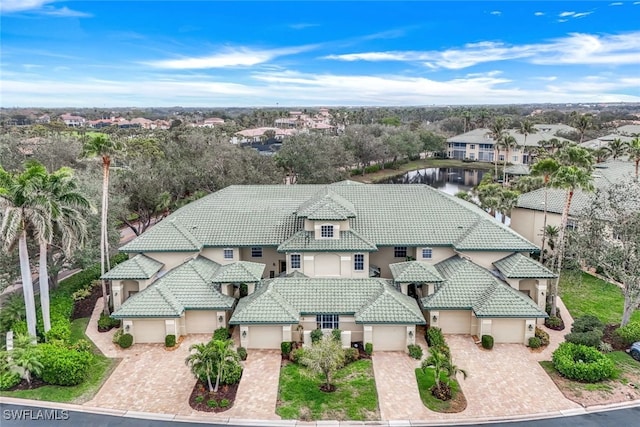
(506, 381)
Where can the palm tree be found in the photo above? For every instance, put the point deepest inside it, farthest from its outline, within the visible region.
(617, 148)
(634, 152)
(103, 147)
(508, 200)
(67, 206)
(496, 132)
(570, 178)
(201, 361)
(453, 371)
(601, 154)
(490, 196)
(582, 123)
(526, 128)
(225, 358)
(508, 141)
(24, 207)
(546, 168)
(439, 362)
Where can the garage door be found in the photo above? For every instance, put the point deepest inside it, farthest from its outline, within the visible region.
(148, 330)
(389, 338)
(265, 336)
(455, 321)
(200, 321)
(508, 330)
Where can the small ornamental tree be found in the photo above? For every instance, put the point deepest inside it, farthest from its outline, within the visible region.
(324, 357)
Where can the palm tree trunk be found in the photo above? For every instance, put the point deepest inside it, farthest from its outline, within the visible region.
(27, 284)
(44, 287)
(103, 227)
(495, 165)
(504, 168)
(637, 163)
(544, 221)
(560, 257)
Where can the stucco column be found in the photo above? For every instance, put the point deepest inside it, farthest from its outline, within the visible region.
(170, 327)
(116, 290)
(434, 319)
(286, 333)
(127, 328)
(306, 342)
(404, 288)
(221, 318)
(244, 336)
(529, 330)
(345, 339)
(251, 287)
(411, 334)
(368, 334)
(485, 327)
(541, 297)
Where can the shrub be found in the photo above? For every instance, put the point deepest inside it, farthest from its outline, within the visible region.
(444, 349)
(434, 337)
(629, 333)
(553, 322)
(590, 338)
(285, 347)
(9, 379)
(336, 334)
(231, 374)
(582, 363)
(170, 340)
(125, 341)
(63, 366)
(82, 345)
(415, 351)
(535, 342)
(543, 335)
(81, 294)
(297, 354)
(351, 355)
(224, 403)
(221, 334)
(587, 323)
(605, 347)
(242, 353)
(244, 290)
(212, 403)
(60, 331)
(116, 337)
(199, 399)
(368, 348)
(316, 335)
(487, 342)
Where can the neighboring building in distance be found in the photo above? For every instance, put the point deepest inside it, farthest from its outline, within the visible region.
(478, 145)
(374, 261)
(72, 121)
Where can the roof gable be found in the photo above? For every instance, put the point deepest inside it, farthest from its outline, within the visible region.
(327, 205)
(414, 272)
(518, 266)
(140, 267)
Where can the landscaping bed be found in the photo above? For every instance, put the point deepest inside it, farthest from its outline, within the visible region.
(426, 381)
(202, 400)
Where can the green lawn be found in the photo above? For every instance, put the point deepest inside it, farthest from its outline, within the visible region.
(98, 374)
(355, 398)
(584, 294)
(426, 381)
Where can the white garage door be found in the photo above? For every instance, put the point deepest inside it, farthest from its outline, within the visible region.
(265, 336)
(200, 321)
(508, 330)
(148, 331)
(455, 321)
(389, 338)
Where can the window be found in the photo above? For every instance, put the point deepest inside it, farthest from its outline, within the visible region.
(295, 260)
(327, 321)
(472, 156)
(256, 252)
(326, 231)
(400, 252)
(358, 262)
(472, 147)
(501, 157)
(427, 253)
(228, 254)
(514, 158)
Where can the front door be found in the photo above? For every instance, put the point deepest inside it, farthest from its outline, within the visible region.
(283, 266)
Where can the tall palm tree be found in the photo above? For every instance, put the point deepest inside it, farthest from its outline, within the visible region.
(225, 358)
(545, 168)
(570, 178)
(634, 152)
(24, 208)
(508, 141)
(103, 147)
(68, 207)
(617, 148)
(526, 129)
(497, 131)
(582, 122)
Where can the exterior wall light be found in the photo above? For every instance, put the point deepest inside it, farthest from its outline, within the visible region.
(410, 334)
(434, 318)
(244, 334)
(530, 327)
(220, 319)
(126, 328)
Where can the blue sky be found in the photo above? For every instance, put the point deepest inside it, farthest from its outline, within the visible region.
(329, 53)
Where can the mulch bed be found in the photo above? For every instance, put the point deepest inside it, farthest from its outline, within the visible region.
(202, 390)
(84, 307)
(23, 385)
(612, 338)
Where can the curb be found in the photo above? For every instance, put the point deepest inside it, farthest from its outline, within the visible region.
(293, 423)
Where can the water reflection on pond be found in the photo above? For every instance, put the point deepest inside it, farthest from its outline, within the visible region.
(448, 180)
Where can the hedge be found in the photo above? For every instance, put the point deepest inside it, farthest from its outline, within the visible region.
(630, 333)
(63, 366)
(434, 337)
(582, 363)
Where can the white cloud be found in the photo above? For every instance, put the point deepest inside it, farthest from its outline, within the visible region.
(539, 13)
(574, 15)
(302, 26)
(617, 3)
(563, 14)
(496, 12)
(22, 5)
(562, 20)
(64, 12)
(576, 48)
(230, 57)
(581, 14)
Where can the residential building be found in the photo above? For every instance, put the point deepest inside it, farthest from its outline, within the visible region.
(479, 146)
(73, 121)
(375, 261)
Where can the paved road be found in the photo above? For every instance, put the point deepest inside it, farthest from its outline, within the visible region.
(21, 415)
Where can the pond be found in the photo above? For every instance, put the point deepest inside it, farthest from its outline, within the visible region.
(448, 180)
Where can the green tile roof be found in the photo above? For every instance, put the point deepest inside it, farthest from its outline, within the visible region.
(304, 241)
(186, 287)
(327, 205)
(414, 272)
(239, 272)
(518, 266)
(468, 286)
(387, 215)
(139, 267)
(284, 300)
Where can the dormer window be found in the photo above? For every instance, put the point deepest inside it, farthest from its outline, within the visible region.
(326, 231)
(228, 253)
